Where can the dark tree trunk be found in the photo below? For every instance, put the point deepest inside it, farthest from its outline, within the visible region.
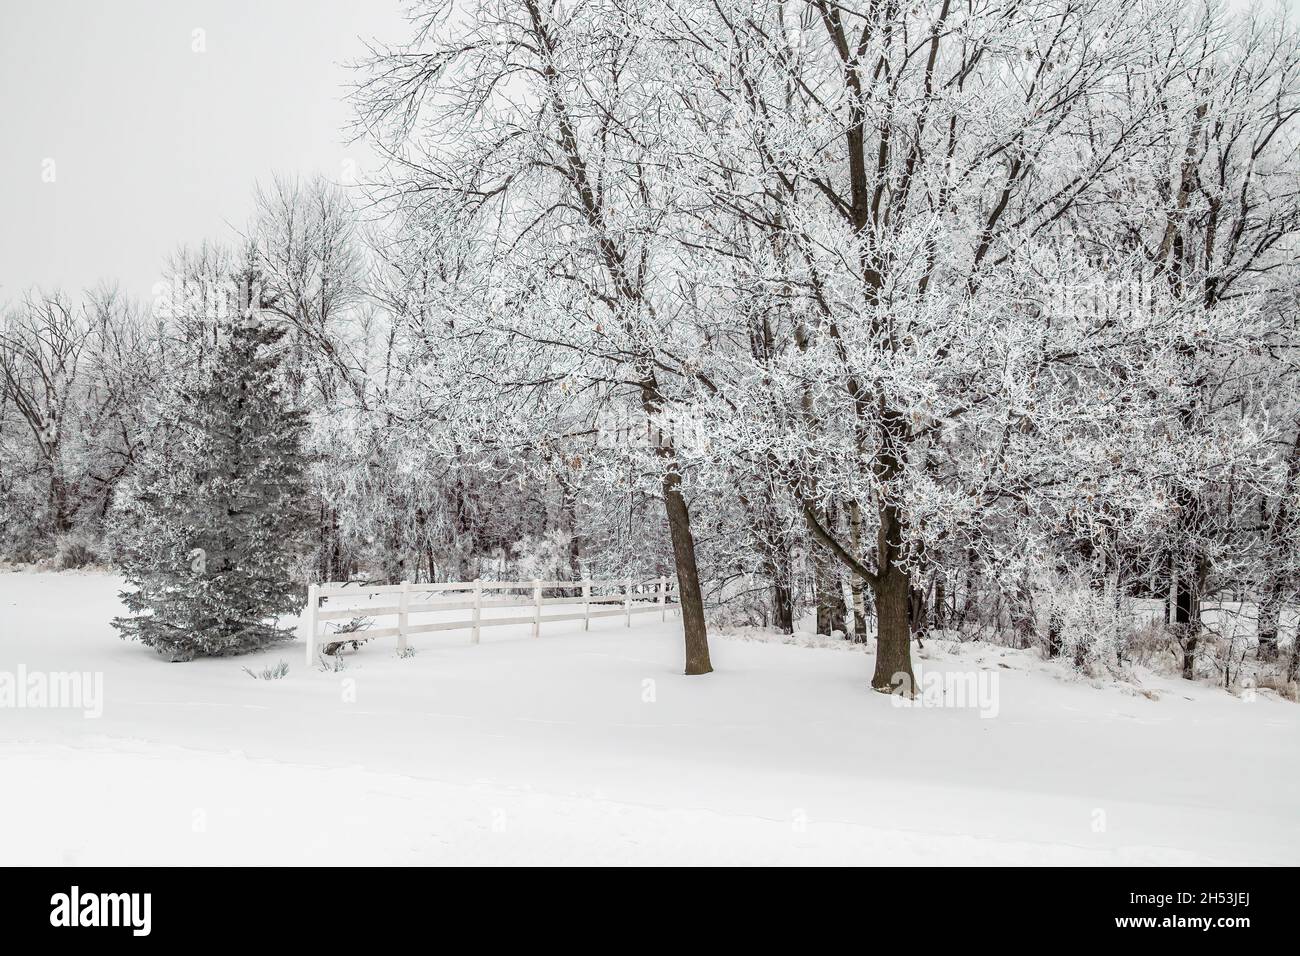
(1054, 633)
(1270, 601)
(776, 555)
(917, 611)
(575, 556)
(782, 607)
(694, 629)
(970, 589)
(940, 617)
(893, 584)
(325, 559)
(893, 593)
(58, 502)
(421, 553)
(858, 587)
(569, 513)
(1188, 639)
(688, 576)
(1270, 619)
(1021, 616)
(1187, 613)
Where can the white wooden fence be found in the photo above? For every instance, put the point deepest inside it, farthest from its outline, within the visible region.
(630, 596)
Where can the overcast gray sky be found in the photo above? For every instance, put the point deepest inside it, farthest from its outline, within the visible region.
(154, 143)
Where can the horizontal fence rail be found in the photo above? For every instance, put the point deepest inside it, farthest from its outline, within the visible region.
(598, 599)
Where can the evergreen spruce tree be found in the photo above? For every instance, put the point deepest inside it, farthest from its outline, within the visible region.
(212, 523)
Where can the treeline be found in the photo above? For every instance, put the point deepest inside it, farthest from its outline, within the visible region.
(975, 317)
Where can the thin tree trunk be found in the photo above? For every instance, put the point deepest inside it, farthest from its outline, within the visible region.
(856, 584)
(58, 502)
(917, 611)
(782, 607)
(688, 576)
(1270, 620)
(1270, 602)
(694, 629)
(1175, 573)
(1054, 641)
(569, 513)
(324, 559)
(969, 590)
(778, 568)
(1187, 614)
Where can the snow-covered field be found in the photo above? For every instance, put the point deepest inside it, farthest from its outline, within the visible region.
(592, 748)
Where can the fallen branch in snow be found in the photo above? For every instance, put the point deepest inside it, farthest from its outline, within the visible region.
(354, 626)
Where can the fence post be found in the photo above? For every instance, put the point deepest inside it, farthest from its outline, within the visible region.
(627, 602)
(537, 608)
(313, 608)
(663, 598)
(478, 608)
(403, 617)
(586, 604)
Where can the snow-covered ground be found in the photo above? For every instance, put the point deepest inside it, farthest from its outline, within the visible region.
(593, 748)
